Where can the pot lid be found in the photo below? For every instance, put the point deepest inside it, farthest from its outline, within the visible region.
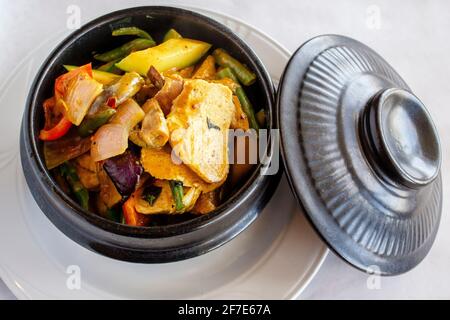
(362, 154)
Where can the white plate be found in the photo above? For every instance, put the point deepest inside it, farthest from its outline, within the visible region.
(275, 258)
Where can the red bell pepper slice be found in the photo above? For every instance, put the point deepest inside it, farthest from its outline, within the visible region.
(112, 102)
(57, 131)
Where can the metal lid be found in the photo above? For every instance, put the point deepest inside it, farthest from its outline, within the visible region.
(361, 153)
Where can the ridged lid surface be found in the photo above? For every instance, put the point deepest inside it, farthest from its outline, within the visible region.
(361, 153)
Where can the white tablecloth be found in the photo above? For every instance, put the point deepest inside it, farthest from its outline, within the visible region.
(412, 35)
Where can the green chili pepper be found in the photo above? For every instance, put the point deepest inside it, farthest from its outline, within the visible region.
(125, 49)
(171, 34)
(243, 99)
(91, 123)
(177, 193)
(80, 192)
(132, 31)
(245, 76)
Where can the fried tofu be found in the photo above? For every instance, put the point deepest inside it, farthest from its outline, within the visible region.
(154, 131)
(207, 70)
(160, 165)
(207, 202)
(198, 123)
(165, 203)
(240, 119)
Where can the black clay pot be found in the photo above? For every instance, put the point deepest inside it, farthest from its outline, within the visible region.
(143, 244)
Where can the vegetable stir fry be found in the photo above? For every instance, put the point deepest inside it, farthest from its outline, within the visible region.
(142, 139)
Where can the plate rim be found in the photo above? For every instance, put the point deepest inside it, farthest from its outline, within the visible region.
(298, 287)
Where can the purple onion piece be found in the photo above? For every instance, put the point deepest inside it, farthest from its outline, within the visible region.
(124, 171)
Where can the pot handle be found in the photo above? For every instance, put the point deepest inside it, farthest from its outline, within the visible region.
(402, 138)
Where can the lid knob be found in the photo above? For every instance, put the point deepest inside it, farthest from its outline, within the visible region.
(402, 137)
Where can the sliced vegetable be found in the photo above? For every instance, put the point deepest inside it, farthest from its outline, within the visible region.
(109, 196)
(245, 76)
(171, 34)
(155, 77)
(207, 70)
(207, 202)
(78, 90)
(88, 179)
(124, 171)
(131, 216)
(174, 53)
(112, 102)
(125, 49)
(81, 194)
(240, 120)
(59, 130)
(154, 131)
(135, 138)
(128, 115)
(92, 123)
(243, 99)
(63, 82)
(59, 151)
(146, 92)
(123, 88)
(177, 193)
(79, 98)
(98, 75)
(50, 114)
(109, 141)
(126, 87)
(247, 107)
(171, 89)
(87, 171)
(132, 31)
(227, 73)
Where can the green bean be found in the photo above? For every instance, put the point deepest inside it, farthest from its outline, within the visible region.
(177, 193)
(227, 73)
(171, 34)
(80, 192)
(125, 49)
(243, 99)
(91, 123)
(132, 31)
(245, 76)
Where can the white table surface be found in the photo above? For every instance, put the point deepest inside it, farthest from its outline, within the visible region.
(414, 36)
